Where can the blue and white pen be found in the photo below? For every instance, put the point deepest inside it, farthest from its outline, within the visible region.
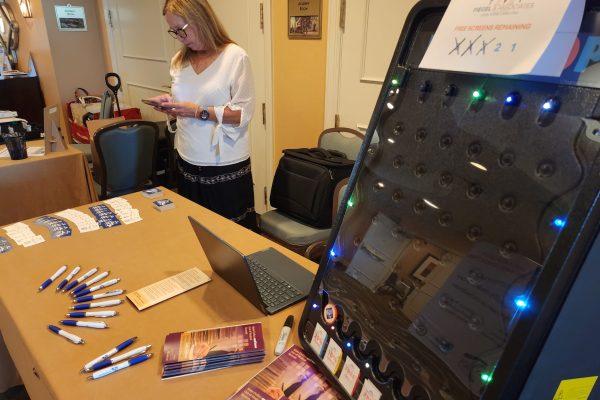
(69, 336)
(114, 360)
(99, 314)
(107, 303)
(85, 324)
(68, 278)
(48, 281)
(98, 287)
(109, 353)
(80, 279)
(125, 364)
(98, 296)
(95, 279)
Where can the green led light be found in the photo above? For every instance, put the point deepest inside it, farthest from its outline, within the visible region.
(477, 94)
(487, 378)
(395, 81)
(350, 203)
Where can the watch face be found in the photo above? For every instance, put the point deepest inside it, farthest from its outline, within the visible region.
(204, 115)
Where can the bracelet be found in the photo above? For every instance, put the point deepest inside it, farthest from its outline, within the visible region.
(197, 112)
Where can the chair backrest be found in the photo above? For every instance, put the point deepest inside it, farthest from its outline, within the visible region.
(346, 140)
(106, 107)
(338, 195)
(127, 155)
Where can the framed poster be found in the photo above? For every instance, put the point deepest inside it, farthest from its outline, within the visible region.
(304, 19)
(70, 18)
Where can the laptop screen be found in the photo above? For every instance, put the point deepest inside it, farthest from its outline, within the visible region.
(227, 262)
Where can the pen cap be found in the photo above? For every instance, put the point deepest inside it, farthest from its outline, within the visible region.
(289, 321)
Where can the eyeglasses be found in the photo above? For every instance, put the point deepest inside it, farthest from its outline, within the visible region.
(178, 33)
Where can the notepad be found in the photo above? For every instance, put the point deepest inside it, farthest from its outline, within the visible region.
(167, 288)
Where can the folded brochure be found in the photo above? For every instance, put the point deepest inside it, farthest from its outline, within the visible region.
(203, 350)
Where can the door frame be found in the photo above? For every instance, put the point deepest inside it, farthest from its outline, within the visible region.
(268, 73)
(333, 65)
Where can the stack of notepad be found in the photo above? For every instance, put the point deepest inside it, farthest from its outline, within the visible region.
(192, 352)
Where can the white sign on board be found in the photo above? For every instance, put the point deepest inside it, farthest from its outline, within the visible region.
(505, 37)
(70, 18)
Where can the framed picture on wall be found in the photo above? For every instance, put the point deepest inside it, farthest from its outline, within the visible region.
(70, 18)
(304, 19)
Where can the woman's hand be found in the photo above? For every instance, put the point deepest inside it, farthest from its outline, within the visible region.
(184, 109)
(158, 102)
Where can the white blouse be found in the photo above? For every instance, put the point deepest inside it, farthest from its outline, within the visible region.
(226, 82)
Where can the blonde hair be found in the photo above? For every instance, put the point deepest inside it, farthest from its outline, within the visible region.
(200, 15)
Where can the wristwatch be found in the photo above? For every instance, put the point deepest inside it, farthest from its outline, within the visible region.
(204, 114)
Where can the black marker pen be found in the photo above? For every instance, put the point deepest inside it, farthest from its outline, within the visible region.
(283, 336)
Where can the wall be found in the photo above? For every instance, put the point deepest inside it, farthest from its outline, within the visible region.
(64, 60)
(33, 39)
(298, 84)
(78, 57)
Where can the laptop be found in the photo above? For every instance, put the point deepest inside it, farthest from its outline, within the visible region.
(267, 278)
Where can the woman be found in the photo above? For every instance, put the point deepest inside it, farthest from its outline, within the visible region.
(213, 100)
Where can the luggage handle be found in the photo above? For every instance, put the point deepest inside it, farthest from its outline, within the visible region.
(325, 154)
(332, 158)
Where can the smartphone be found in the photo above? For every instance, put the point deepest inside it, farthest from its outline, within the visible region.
(152, 103)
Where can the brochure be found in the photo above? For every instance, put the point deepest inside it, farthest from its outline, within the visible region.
(198, 351)
(292, 375)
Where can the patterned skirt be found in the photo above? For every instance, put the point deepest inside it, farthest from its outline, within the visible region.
(226, 190)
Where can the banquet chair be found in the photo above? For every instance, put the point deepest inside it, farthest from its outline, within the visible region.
(126, 157)
(106, 111)
(297, 235)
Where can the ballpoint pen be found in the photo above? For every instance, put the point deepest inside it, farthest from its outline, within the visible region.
(69, 336)
(86, 324)
(94, 305)
(95, 279)
(109, 353)
(48, 281)
(99, 314)
(80, 279)
(68, 278)
(98, 296)
(114, 360)
(98, 287)
(125, 364)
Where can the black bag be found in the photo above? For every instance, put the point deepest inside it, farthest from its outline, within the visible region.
(304, 183)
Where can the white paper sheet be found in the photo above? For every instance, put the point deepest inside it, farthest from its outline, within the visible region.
(505, 37)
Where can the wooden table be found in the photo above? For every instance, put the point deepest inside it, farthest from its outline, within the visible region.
(40, 185)
(141, 253)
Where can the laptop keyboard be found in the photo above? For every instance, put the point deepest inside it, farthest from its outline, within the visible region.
(272, 290)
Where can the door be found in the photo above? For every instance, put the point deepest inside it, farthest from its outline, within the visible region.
(358, 56)
(141, 51)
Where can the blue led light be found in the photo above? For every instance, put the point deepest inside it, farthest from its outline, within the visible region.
(315, 305)
(551, 105)
(512, 99)
(348, 344)
(559, 222)
(521, 302)
(332, 253)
